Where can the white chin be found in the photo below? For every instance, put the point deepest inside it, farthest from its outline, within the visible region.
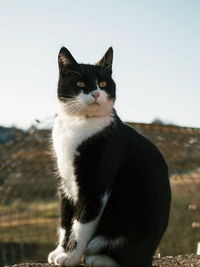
(99, 110)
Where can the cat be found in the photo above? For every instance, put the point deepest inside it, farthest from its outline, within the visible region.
(114, 186)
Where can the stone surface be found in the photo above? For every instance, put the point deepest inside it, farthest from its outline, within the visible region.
(169, 261)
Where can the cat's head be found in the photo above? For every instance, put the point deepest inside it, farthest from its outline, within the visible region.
(83, 89)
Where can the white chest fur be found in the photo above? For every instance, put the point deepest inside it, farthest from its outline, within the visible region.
(68, 134)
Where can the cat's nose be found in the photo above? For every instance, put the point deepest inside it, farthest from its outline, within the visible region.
(95, 94)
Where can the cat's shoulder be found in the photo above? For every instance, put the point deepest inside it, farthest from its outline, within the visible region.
(126, 130)
(133, 136)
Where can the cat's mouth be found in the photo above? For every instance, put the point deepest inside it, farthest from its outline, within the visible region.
(94, 104)
(94, 108)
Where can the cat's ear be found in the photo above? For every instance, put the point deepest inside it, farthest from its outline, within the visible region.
(107, 59)
(65, 59)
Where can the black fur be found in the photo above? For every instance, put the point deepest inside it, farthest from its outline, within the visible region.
(73, 72)
(121, 161)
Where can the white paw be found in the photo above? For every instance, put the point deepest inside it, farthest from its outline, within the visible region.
(67, 259)
(53, 254)
(100, 261)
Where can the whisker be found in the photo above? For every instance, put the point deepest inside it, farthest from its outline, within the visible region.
(63, 98)
(72, 106)
(70, 99)
(72, 109)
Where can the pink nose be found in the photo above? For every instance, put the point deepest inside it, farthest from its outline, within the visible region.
(95, 94)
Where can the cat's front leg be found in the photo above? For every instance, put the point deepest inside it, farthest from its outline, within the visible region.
(66, 214)
(85, 222)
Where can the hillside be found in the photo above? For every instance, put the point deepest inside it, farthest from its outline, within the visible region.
(26, 158)
(8, 133)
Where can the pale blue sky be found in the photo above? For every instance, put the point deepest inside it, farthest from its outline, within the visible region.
(156, 55)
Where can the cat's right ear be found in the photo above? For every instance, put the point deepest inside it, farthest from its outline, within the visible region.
(107, 59)
(65, 59)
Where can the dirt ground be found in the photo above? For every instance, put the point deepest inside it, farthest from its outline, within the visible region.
(169, 261)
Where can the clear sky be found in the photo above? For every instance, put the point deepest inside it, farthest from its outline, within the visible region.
(156, 55)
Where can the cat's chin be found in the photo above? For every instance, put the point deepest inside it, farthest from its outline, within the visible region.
(90, 111)
(98, 114)
(99, 110)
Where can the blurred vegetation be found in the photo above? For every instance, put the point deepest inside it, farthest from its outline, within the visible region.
(182, 235)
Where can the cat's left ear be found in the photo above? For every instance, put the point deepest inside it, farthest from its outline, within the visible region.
(65, 59)
(107, 59)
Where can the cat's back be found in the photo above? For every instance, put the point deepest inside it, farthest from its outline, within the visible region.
(137, 142)
(140, 155)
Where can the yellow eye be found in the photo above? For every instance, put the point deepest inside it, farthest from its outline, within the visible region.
(103, 84)
(81, 84)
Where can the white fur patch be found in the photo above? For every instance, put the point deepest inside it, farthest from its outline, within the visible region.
(89, 99)
(53, 254)
(61, 236)
(100, 260)
(68, 133)
(82, 233)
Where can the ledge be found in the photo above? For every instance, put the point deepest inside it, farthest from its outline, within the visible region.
(169, 261)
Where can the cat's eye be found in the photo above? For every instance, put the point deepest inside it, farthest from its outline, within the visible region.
(103, 84)
(81, 84)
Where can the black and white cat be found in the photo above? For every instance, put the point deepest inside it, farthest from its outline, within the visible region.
(114, 187)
